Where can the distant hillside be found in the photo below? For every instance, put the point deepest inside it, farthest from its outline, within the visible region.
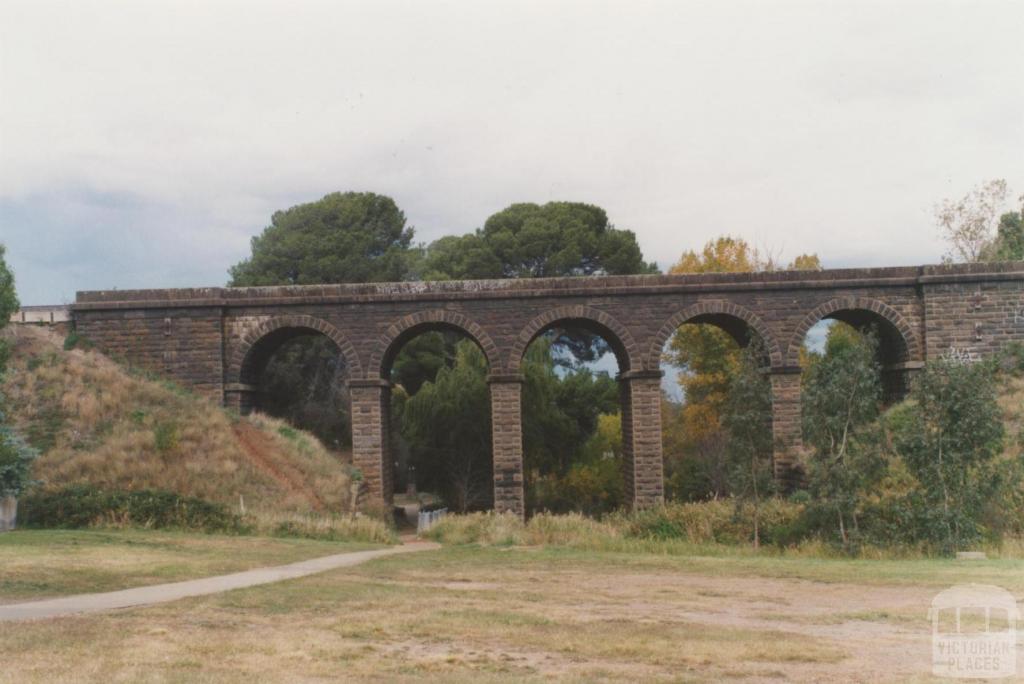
(95, 422)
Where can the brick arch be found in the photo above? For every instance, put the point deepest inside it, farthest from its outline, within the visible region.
(404, 327)
(626, 350)
(252, 337)
(714, 307)
(910, 339)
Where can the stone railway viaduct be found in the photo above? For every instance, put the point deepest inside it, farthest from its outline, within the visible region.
(216, 340)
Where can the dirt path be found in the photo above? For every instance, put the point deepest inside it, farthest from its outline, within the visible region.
(162, 593)
(255, 445)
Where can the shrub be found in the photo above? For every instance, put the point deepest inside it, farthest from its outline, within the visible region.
(949, 438)
(16, 458)
(590, 488)
(87, 506)
(324, 527)
(479, 528)
(710, 522)
(74, 340)
(725, 521)
(165, 436)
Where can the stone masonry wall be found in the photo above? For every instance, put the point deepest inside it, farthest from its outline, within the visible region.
(206, 338)
(370, 453)
(507, 444)
(184, 345)
(971, 320)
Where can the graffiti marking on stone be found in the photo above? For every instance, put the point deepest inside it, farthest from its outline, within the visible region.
(961, 356)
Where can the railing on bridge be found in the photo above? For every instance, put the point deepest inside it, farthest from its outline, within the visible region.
(42, 315)
(428, 518)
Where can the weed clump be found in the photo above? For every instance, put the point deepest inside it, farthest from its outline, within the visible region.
(88, 506)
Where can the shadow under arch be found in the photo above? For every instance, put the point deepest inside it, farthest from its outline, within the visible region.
(593, 320)
(733, 319)
(408, 327)
(899, 347)
(259, 344)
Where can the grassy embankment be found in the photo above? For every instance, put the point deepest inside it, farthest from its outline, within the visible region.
(98, 423)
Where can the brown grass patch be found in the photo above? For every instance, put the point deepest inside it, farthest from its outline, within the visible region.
(99, 424)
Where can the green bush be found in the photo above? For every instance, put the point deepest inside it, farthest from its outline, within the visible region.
(87, 506)
(709, 522)
(16, 457)
(592, 488)
(165, 436)
(725, 521)
(75, 340)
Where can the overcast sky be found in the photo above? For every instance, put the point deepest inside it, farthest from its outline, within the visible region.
(142, 144)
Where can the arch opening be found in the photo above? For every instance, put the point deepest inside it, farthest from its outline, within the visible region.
(300, 374)
(716, 406)
(440, 418)
(852, 365)
(442, 336)
(892, 348)
(572, 416)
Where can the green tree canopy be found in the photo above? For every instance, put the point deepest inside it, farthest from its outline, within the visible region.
(465, 257)
(1009, 242)
(16, 455)
(532, 241)
(448, 425)
(351, 237)
(949, 438)
(746, 419)
(536, 241)
(8, 297)
(842, 397)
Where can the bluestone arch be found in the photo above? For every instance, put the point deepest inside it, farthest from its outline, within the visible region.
(627, 353)
(200, 337)
(913, 348)
(713, 307)
(241, 358)
(408, 326)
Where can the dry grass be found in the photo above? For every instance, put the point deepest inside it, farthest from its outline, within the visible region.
(810, 558)
(521, 614)
(327, 527)
(38, 563)
(98, 424)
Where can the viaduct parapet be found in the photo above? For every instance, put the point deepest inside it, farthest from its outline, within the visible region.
(217, 340)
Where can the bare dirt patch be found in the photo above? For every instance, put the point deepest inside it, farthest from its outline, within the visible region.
(259, 450)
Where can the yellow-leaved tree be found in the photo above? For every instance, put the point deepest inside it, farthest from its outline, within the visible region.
(708, 359)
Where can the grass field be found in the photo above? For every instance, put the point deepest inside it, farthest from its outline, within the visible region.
(526, 614)
(40, 563)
